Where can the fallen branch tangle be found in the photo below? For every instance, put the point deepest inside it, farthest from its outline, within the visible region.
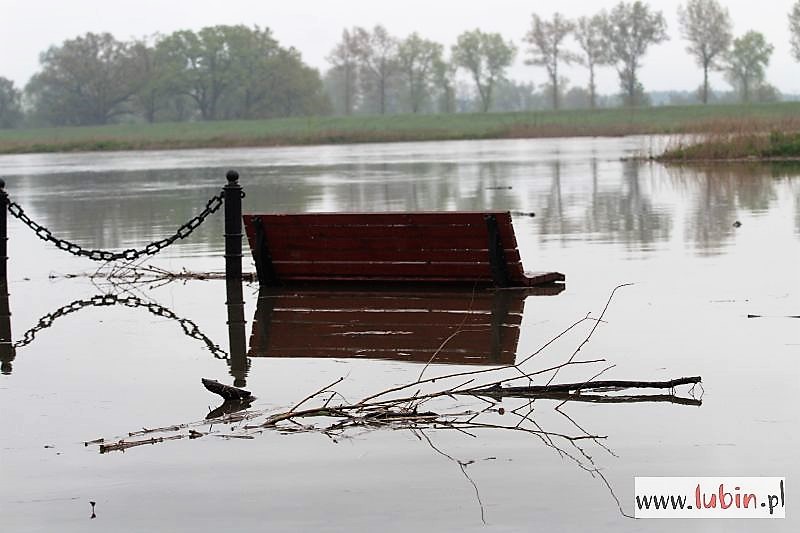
(431, 406)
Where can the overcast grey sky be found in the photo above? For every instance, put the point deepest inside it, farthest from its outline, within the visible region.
(27, 27)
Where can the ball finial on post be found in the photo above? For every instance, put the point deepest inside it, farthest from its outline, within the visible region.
(232, 176)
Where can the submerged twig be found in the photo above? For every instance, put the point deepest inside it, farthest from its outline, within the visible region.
(436, 403)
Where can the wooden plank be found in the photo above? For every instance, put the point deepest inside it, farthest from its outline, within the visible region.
(388, 255)
(543, 278)
(277, 240)
(306, 228)
(356, 219)
(376, 270)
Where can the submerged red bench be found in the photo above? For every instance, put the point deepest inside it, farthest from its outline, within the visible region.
(445, 247)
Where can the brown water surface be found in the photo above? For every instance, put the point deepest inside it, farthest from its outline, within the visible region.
(103, 368)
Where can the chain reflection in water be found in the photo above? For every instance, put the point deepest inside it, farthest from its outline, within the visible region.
(104, 300)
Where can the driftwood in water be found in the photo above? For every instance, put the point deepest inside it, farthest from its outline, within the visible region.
(574, 389)
(227, 392)
(123, 445)
(595, 398)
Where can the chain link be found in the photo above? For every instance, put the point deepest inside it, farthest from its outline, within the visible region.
(104, 300)
(131, 254)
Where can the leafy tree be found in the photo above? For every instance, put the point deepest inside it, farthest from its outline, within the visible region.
(794, 29)
(577, 98)
(86, 80)
(747, 62)
(255, 67)
(417, 59)
(377, 55)
(486, 56)
(10, 106)
(518, 96)
(344, 61)
(630, 29)
(206, 71)
(707, 26)
(445, 80)
(545, 39)
(155, 95)
(595, 47)
(287, 87)
(238, 72)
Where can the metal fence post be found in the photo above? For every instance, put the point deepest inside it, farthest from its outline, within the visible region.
(233, 226)
(3, 231)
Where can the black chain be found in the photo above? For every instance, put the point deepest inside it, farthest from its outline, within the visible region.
(103, 300)
(130, 254)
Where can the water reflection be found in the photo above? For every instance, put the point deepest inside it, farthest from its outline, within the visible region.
(190, 329)
(718, 193)
(237, 341)
(575, 193)
(7, 349)
(452, 327)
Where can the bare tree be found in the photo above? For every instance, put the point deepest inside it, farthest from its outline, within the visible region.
(417, 59)
(595, 46)
(377, 55)
(545, 39)
(630, 29)
(486, 56)
(344, 60)
(707, 26)
(794, 29)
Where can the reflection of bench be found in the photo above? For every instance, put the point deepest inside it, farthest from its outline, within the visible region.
(461, 247)
(442, 326)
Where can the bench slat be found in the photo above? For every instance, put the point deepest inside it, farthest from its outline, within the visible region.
(389, 255)
(290, 269)
(478, 302)
(278, 240)
(386, 219)
(472, 232)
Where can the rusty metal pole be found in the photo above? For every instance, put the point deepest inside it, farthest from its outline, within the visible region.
(233, 227)
(7, 350)
(3, 231)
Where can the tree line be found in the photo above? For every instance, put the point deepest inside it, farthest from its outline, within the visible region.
(239, 72)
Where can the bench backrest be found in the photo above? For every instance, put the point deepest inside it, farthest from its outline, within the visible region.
(466, 247)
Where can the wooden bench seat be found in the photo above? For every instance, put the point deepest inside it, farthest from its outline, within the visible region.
(445, 247)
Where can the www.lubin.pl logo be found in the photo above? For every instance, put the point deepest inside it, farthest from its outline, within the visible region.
(692, 497)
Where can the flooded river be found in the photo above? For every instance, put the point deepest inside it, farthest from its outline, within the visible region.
(711, 254)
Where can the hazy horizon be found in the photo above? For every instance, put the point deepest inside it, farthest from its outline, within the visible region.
(28, 28)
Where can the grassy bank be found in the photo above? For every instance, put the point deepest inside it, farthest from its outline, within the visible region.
(359, 129)
(775, 145)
